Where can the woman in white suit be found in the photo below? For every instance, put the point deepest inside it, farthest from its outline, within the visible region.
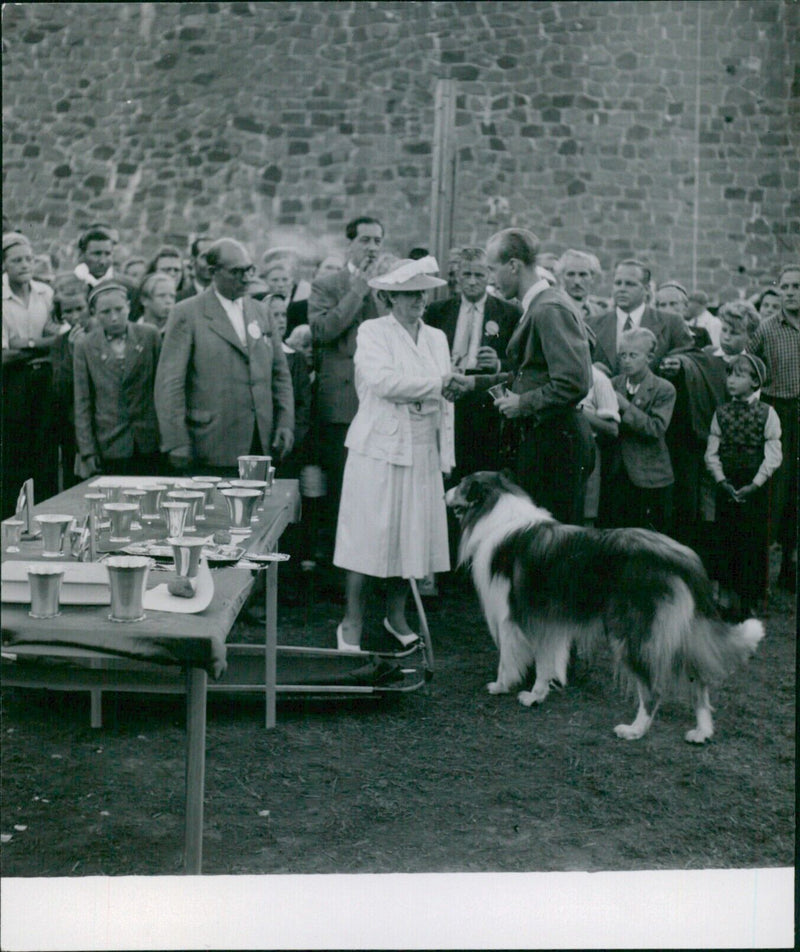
(392, 519)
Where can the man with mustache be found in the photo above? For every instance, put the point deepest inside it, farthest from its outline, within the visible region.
(339, 303)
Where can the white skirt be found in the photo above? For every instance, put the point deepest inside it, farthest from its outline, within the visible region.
(392, 519)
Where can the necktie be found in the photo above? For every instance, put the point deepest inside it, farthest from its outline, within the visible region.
(628, 325)
(463, 337)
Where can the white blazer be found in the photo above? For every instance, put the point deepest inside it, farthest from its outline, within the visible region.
(391, 372)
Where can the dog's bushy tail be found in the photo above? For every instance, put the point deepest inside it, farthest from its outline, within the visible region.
(748, 634)
(717, 648)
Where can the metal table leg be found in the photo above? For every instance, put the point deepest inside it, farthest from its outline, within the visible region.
(271, 643)
(196, 694)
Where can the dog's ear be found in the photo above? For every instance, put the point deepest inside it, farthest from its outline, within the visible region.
(475, 490)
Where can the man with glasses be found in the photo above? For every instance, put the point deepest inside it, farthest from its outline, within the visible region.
(223, 387)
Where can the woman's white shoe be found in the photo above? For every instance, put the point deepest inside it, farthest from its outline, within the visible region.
(343, 645)
(405, 640)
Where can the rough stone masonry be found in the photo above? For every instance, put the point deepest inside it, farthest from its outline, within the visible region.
(662, 129)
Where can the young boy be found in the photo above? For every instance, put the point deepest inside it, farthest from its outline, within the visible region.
(637, 486)
(114, 368)
(744, 450)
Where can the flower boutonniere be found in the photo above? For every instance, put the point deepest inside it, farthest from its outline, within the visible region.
(492, 329)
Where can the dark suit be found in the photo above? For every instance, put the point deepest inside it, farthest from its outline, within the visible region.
(186, 291)
(477, 422)
(671, 334)
(115, 416)
(62, 356)
(335, 311)
(213, 394)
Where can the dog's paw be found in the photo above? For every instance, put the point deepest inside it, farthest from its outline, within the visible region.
(628, 731)
(697, 736)
(496, 687)
(535, 696)
(529, 698)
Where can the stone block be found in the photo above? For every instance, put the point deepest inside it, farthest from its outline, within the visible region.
(247, 124)
(465, 73)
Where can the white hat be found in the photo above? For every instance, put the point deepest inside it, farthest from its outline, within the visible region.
(409, 275)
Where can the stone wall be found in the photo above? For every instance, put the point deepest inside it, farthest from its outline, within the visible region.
(662, 129)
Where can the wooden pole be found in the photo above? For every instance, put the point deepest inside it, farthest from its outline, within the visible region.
(443, 175)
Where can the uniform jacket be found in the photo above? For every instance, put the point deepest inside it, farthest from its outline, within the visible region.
(641, 444)
(335, 313)
(392, 373)
(211, 391)
(113, 419)
(550, 353)
(671, 334)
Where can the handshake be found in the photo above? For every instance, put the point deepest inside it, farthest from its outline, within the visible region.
(456, 385)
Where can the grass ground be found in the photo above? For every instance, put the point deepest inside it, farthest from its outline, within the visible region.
(442, 780)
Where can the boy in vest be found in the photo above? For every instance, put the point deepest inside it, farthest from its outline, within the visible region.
(744, 450)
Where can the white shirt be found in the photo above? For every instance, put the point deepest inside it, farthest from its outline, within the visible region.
(235, 312)
(469, 330)
(82, 271)
(635, 316)
(25, 323)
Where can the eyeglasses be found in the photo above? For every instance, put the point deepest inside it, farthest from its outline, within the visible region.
(242, 272)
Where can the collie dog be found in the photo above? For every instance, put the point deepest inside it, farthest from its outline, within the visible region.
(544, 586)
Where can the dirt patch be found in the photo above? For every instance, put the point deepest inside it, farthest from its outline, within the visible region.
(443, 780)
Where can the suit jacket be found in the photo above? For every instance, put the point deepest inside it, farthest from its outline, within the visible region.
(335, 312)
(444, 315)
(671, 334)
(550, 353)
(477, 422)
(641, 444)
(301, 388)
(212, 391)
(116, 417)
(391, 373)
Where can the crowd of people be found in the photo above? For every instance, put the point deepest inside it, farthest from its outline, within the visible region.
(654, 408)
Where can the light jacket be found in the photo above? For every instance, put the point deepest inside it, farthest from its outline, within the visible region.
(391, 374)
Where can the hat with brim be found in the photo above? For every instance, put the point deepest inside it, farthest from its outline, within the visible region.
(409, 275)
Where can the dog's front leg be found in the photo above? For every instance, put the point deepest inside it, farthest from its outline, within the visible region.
(513, 660)
(644, 717)
(705, 723)
(505, 678)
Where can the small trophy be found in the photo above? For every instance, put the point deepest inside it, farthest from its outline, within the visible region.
(24, 511)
